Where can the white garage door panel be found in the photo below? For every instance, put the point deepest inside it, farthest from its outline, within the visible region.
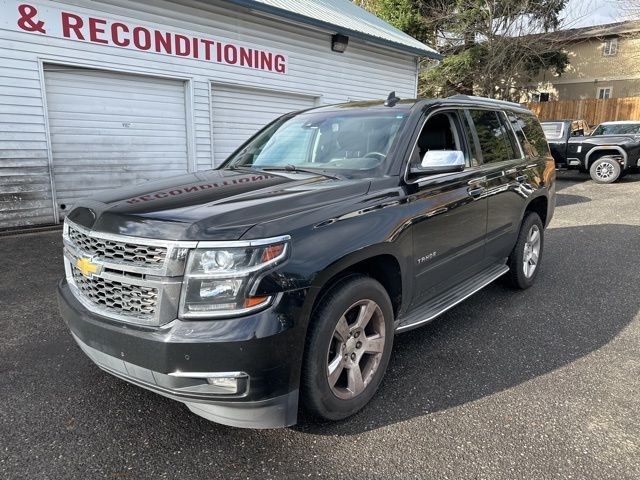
(239, 112)
(111, 129)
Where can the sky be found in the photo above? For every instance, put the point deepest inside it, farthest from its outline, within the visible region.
(585, 13)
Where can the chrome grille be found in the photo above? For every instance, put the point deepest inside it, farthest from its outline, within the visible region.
(143, 255)
(130, 279)
(118, 297)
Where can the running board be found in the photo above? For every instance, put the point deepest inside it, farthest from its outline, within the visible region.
(449, 299)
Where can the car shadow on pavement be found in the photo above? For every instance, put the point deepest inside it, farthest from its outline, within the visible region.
(500, 338)
(630, 178)
(564, 199)
(567, 178)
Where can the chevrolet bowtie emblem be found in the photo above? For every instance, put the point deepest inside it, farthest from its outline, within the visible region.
(86, 267)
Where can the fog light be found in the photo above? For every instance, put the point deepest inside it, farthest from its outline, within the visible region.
(226, 383)
(214, 383)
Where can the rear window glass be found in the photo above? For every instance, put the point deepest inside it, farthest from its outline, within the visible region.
(553, 130)
(493, 136)
(518, 125)
(537, 141)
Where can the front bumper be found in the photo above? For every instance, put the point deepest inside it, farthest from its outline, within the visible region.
(263, 350)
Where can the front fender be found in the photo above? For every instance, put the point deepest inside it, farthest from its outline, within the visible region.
(341, 246)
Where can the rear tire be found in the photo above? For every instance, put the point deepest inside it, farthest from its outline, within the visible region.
(348, 348)
(605, 170)
(526, 256)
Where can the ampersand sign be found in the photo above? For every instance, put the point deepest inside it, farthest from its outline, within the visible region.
(27, 21)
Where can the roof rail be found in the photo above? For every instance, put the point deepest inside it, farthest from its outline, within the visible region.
(460, 96)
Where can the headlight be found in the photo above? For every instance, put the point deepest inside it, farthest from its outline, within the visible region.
(218, 281)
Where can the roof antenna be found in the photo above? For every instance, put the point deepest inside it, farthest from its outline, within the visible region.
(391, 100)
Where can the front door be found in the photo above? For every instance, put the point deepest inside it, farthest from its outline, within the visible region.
(450, 211)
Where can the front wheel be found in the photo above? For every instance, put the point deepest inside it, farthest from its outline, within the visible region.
(348, 348)
(605, 170)
(524, 261)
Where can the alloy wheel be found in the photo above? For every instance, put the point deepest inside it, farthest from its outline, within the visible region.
(356, 349)
(531, 251)
(605, 170)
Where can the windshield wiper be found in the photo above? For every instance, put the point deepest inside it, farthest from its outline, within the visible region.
(292, 168)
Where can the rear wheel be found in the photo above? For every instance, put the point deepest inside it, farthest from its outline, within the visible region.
(524, 261)
(348, 348)
(605, 170)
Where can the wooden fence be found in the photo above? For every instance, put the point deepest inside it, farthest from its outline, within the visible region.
(592, 110)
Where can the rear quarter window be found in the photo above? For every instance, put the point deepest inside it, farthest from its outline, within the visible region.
(536, 143)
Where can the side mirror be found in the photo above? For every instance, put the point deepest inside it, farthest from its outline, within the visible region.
(440, 161)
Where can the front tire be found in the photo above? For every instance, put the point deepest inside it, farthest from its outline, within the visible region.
(605, 170)
(526, 256)
(348, 348)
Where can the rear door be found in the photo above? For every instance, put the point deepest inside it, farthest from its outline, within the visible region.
(504, 171)
(449, 211)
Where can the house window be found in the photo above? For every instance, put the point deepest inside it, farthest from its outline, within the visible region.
(604, 93)
(610, 47)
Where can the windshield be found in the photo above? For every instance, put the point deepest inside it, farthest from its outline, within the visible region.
(344, 142)
(617, 129)
(553, 130)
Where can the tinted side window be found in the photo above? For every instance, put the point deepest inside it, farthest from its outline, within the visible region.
(468, 132)
(537, 142)
(493, 136)
(518, 125)
(440, 132)
(510, 135)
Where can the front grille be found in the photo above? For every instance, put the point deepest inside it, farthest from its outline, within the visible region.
(128, 279)
(120, 298)
(141, 255)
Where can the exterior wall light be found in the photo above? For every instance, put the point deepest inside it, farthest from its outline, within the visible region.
(339, 43)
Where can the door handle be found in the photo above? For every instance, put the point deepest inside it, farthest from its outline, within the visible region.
(521, 178)
(476, 192)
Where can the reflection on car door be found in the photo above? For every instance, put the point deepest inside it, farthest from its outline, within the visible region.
(449, 211)
(504, 171)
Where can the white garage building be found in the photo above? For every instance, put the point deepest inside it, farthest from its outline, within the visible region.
(98, 94)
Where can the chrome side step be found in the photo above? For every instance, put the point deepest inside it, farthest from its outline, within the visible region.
(449, 299)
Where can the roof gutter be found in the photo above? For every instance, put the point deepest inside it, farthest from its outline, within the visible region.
(296, 17)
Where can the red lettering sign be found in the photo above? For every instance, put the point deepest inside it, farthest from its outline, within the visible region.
(118, 33)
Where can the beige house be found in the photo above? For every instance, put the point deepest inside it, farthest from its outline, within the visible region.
(604, 63)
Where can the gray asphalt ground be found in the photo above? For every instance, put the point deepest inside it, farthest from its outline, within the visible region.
(509, 385)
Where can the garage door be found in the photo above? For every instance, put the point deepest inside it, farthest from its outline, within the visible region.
(239, 112)
(110, 130)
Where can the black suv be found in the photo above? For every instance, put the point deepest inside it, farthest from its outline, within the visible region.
(283, 275)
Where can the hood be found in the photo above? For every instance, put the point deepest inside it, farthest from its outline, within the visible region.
(210, 205)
